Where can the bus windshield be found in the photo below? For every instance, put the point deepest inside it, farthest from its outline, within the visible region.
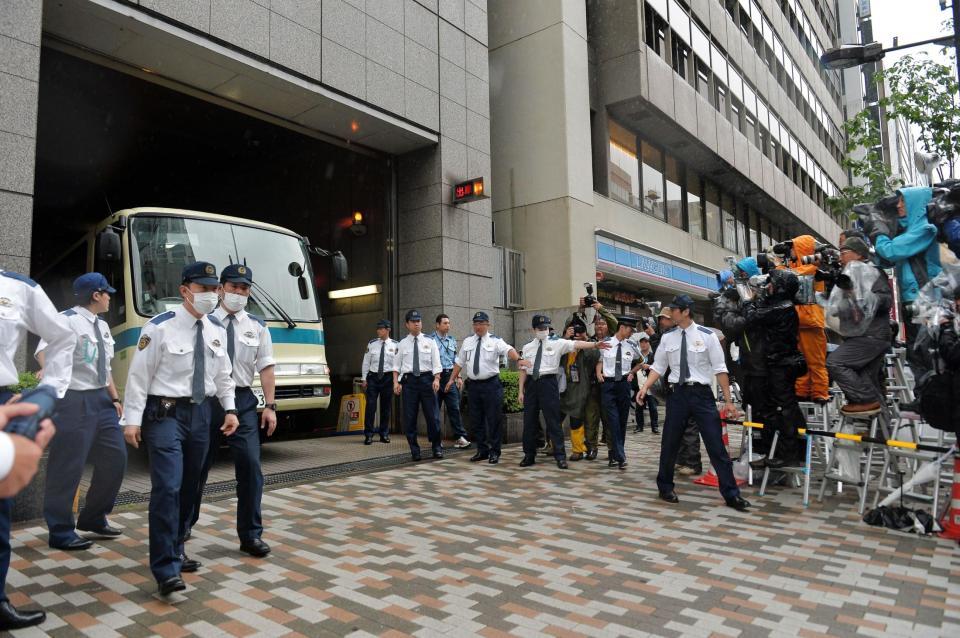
(162, 245)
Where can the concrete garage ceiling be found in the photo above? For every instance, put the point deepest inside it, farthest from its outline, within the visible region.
(123, 37)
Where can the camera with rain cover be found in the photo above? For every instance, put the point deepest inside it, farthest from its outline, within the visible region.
(589, 299)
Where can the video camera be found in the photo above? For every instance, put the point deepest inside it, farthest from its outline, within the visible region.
(944, 205)
(589, 299)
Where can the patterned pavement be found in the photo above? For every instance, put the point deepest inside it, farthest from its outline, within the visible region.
(457, 549)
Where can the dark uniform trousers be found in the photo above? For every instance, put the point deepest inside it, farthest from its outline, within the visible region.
(245, 448)
(87, 428)
(542, 395)
(379, 390)
(697, 402)
(451, 400)
(417, 393)
(486, 413)
(6, 508)
(615, 400)
(177, 442)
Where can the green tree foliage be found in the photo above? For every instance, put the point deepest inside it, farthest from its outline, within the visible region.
(511, 388)
(25, 381)
(863, 133)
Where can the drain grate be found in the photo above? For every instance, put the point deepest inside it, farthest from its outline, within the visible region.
(304, 475)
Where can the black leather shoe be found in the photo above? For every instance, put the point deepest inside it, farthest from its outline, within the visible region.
(479, 456)
(655, 430)
(592, 454)
(527, 461)
(170, 585)
(636, 430)
(576, 456)
(13, 618)
(255, 547)
(438, 452)
(738, 503)
(75, 545)
(622, 465)
(670, 497)
(188, 565)
(611, 463)
(189, 533)
(106, 531)
(385, 438)
(494, 459)
(367, 439)
(562, 464)
(415, 456)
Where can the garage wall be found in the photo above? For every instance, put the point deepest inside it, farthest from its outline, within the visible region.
(19, 81)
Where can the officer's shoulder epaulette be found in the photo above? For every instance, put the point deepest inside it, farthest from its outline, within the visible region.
(492, 336)
(19, 277)
(213, 319)
(257, 319)
(372, 340)
(165, 316)
(69, 312)
(707, 330)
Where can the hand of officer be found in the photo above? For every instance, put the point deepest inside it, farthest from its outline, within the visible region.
(39, 374)
(630, 377)
(364, 384)
(436, 385)
(268, 420)
(642, 395)
(730, 411)
(131, 435)
(230, 424)
(523, 363)
(119, 408)
(26, 458)
(397, 388)
(459, 383)
(520, 396)
(45, 432)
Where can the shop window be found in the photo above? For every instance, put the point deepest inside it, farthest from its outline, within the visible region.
(655, 30)
(712, 213)
(695, 205)
(623, 168)
(652, 175)
(674, 199)
(729, 232)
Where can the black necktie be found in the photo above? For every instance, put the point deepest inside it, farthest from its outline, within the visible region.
(537, 360)
(618, 368)
(101, 354)
(476, 358)
(383, 345)
(416, 356)
(199, 371)
(231, 320)
(684, 367)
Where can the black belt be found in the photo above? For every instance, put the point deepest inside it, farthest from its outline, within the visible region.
(614, 380)
(417, 376)
(689, 384)
(549, 375)
(496, 376)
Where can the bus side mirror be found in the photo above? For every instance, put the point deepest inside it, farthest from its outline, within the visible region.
(302, 287)
(340, 270)
(108, 246)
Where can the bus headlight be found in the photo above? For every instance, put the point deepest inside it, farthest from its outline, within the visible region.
(300, 369)
(286, 369)
(312, 369)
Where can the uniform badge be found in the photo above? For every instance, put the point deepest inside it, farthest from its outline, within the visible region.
(209, 269)
(5, 302)
(249, 334)
(242, 270)
(143, 343)
(216, 343)
(697, 344)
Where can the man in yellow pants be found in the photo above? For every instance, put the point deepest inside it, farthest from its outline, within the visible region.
(576, 367)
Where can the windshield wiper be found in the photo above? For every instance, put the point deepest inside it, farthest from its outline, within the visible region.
(274, 305)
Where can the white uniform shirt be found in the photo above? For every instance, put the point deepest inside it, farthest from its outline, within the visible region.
(25, 307)
(553, 351)
(629, 355)
(163, 363)
(371, 357)
(492, 348)
(252, 345)
(429, 355)
(704, 354)
(86, 352)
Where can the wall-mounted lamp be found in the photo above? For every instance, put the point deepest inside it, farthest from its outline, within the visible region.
(359, 291)
(358, 227)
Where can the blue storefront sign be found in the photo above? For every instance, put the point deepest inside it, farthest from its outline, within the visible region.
(619, 258)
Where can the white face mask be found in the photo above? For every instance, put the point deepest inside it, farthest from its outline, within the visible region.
(234, 302)
(204, 302)
(543, 334)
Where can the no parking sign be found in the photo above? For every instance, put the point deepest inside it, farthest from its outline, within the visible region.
(352, 408)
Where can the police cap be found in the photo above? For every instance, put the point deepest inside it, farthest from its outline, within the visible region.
(237, 274)
(630, 322)
(541, 321)
(480, 316)
(384, 323)
(682, 302)
(413, 315)
(200, 272)
(89, 283)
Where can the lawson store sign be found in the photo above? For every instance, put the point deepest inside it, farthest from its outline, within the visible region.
(619, 258)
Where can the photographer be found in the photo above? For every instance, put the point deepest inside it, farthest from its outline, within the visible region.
(856, 364)
(815, 384)
(577, 368)
(773, 319)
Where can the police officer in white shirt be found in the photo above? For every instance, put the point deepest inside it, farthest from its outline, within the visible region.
(615, 371)
(88, 425)
(416, 374)
(180, 364)
(694, 356)
(540, 391)
(377, 374)
(24, 306)
(250, 350)
(480, 357)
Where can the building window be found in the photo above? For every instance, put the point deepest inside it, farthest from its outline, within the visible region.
(729, 224)
(624, 168)
(702, 79)
(652, 175)
(674, 178)
(655, 30)
(741, 214)
(694, 204)
(680, 60)
(712, 213)
(754, 231)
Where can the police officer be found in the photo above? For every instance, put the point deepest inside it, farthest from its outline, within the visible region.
(694, 356)
(88, 420)
(416, 374)
(539, 388)
(480, 357)
(250, 350)
(24, 306)
(377, 373)
(447, 345)
(181, 362)
(615, 370)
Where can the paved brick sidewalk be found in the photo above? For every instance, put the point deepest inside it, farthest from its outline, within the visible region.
(460, 549)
